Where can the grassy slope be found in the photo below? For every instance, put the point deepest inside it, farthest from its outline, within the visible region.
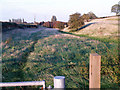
(102, 29)
(47, 53)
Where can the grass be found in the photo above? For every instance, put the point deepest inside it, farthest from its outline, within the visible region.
(47, 53)
(114, 19)
(70, 57)
(102, 29)
(107, 40)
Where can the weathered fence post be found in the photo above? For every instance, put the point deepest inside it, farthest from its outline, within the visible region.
(94, 70)
(59, 82)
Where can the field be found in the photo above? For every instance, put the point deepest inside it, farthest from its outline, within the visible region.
(40, 54)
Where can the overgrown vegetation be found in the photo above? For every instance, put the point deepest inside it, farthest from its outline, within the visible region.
(43, 54)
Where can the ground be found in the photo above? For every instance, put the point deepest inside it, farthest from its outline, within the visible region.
(42, 53)
(102, 28)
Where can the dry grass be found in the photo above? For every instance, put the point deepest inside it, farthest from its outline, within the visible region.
(103, 28)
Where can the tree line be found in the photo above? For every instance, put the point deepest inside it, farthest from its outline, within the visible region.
(76, 20)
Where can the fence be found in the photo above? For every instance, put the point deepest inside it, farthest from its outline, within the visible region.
(59, 81)
(27, 83)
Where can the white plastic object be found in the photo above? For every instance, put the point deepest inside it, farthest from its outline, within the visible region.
(59, 82)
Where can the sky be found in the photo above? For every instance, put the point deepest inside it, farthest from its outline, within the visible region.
(43, 10)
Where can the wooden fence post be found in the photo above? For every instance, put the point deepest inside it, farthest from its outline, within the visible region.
(94, 70)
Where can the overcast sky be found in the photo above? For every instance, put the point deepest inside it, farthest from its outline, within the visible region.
(43, 10)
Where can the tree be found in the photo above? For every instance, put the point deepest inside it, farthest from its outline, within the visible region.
(116, 9)
(85, 17)
(53, 19)
(75, 21)
(92, 15)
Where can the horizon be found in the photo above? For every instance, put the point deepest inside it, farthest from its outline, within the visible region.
(43, 10)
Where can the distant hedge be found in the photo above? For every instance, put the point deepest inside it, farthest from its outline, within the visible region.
(55, 24)
(6, 26)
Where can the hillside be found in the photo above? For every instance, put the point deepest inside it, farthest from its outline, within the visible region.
(41, 53)
(100, 28)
